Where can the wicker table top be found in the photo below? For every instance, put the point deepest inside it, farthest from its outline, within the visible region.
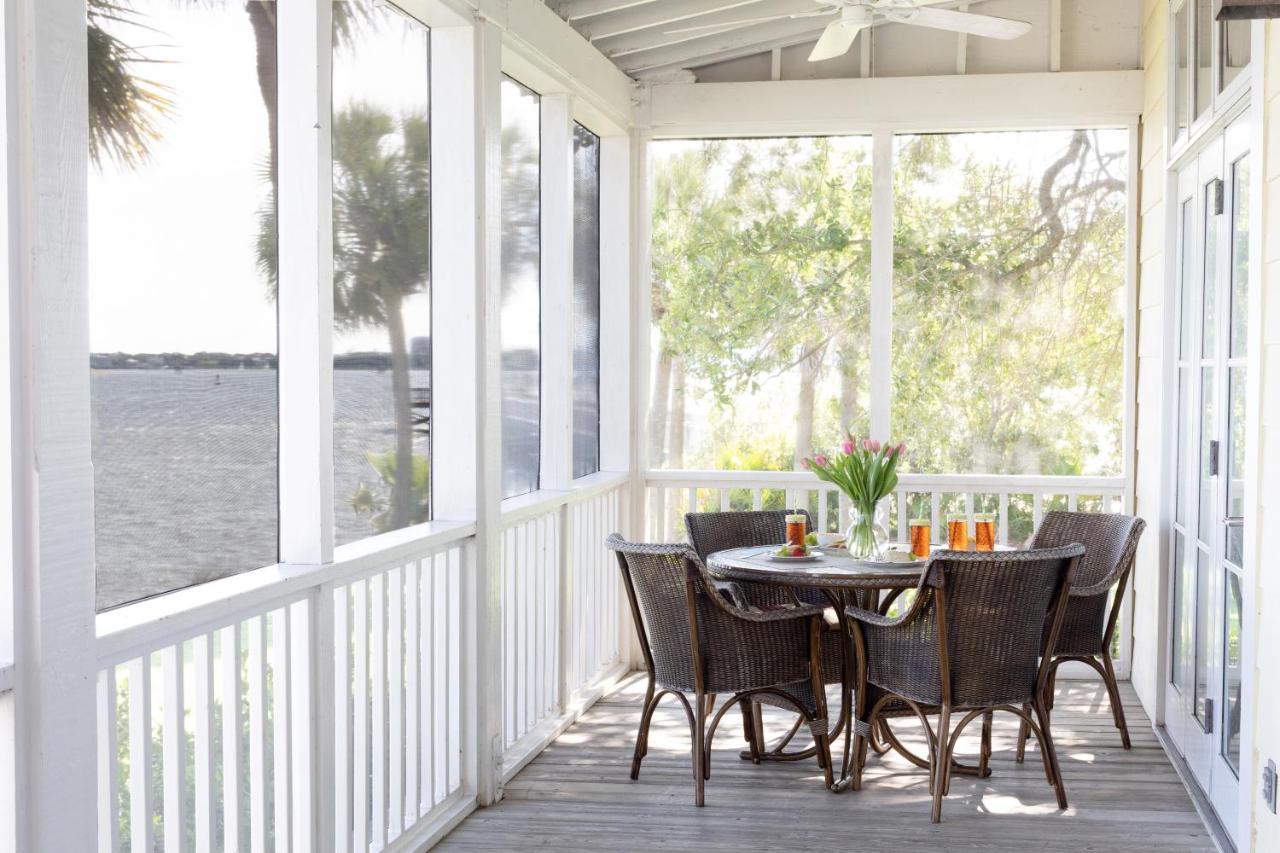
(835, 570)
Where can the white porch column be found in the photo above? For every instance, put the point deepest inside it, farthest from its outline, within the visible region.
(616, 305)
(53, 551)
(466, 394)
(881, 284)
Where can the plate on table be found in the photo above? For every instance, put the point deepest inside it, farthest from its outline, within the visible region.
(913, 563)
(812, 557)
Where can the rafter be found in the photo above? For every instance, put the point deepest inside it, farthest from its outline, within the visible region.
(659, 37)
(574, 10)
(664, 13)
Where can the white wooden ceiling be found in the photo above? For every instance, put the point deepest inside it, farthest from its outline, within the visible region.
(635, 34)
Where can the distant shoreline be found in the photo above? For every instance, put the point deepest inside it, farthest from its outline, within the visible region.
(240, 361)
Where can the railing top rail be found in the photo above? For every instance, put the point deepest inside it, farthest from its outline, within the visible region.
(1011, 483)
(154, 623)
(543, 501)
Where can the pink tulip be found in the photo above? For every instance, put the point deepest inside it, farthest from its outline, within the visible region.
(820, 461)
(866, 444)
(804, 463)
(901, 449)
(847, 447)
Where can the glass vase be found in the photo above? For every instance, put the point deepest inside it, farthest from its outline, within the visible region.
(867, 535)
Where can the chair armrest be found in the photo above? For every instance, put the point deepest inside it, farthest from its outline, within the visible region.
(868, 617)
(1100, 588)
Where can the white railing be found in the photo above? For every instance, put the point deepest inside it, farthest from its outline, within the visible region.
(344, 680)
(562, 626)
(1018, 501)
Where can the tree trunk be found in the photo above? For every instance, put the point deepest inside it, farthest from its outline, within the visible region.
(658, 433)
(402, 489)
(675, 437)
(262, 15)
(804, 410)
(848, 390)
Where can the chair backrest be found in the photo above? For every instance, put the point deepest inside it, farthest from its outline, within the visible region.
(1111, 544)
(658, 579)
(717, 531)
(995, 607)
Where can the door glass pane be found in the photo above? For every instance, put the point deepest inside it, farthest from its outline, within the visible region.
(1208, 407)
(1204, 56)
(1231, 674)
(1239, 318)
(1185, 438)
(1184, 628)
(182, 310)
(1186, 275)
(586, 302)
(1009, 279)
(381, 271)
(521, 281)
(1236, 49)
(1235, 464)
(1204, 588)
(1209, 293)
(1181, 69)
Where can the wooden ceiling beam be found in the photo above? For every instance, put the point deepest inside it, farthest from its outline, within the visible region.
(659, 37)
(665, 13)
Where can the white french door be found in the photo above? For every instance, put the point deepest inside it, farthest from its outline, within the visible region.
(1204, 686)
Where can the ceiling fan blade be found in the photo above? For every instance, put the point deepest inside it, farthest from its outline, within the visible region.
(835, 40)
(817, 13)
(965, 22)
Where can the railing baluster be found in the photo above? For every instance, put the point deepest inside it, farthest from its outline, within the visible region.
(232, 769)
(822, 509)
(309, 648)
(426, 605)
(360, 729)
(257, 734)
(1037, 510)
(453, 698)
(343, 769)
(140, 834)
(1072, 501)
(280, 688)
(440, 768)
(412, 694)
(202, 717)
(757, 498)
(725, 501)
(935, 515)
(108, 762)
(378, 705)
(1004, 518)
(395, 700)
(174, 747)
(904, 517)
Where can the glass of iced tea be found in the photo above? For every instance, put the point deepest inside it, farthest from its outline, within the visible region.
(958, 532)
(921, 533)
(797, 529)
(984, 532)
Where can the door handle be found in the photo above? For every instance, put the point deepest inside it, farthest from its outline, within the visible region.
(1233, 521)
(1213, 458)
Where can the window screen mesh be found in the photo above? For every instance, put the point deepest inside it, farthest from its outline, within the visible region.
(586, 302)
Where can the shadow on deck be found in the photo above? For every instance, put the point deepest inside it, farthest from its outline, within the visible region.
(577, 795)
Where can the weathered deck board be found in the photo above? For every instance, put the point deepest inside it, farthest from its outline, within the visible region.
(577, 796)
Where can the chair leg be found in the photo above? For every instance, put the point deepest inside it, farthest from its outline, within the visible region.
(699, 749)
(1049, 754)
(1024, 732)
(984, 756)
(1052, 689)
(1117, 707)
(642, 736)
(941, 762)
(749, 730)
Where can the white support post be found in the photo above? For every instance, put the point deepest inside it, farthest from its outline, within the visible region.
(467, 449)
(881, 283)
(304, 200)
(615, 304)
(53, 549)
(556, 223)
(1055, 35)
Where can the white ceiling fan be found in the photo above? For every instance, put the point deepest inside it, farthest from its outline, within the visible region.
(858, 15)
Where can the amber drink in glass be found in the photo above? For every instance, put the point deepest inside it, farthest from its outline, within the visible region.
(958, 533)
(984, 532)
(921, 533)
(797, 529)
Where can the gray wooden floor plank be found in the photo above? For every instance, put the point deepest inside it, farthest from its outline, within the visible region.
(576, 795)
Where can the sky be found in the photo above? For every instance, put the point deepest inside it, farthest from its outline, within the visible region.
(172, 243)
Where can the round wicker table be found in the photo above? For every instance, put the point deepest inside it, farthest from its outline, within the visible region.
(845, 580)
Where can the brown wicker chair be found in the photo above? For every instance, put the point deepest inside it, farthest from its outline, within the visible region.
(696, 641)
(710, 532)
(1110, 542)
(970, 642)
